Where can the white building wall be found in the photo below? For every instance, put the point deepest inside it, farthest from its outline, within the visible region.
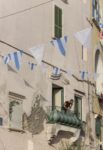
(36, 26)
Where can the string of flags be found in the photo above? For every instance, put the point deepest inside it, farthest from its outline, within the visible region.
(60, 43)
(38, 52)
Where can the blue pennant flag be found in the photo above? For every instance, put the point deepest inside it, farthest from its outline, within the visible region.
(6, 59)
(60, 43)
(83, 75)
(31, 65)
(16, 58)
(56, 71)
(101, 25)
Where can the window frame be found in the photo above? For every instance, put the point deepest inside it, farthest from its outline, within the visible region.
(14, 97)
(54, 86)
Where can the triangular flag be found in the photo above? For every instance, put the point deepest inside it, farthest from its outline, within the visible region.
(89, 75)
(83, 74)
(56, 71)
(16, 58)
(60, 44)
(6, 59)
(43, 67)
(101, 25)
(37, 52)
(83, 36)
(31, 65)
(96, 75)
(70, 72)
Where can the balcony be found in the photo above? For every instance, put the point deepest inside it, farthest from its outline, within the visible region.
(57, 115)
(59, 120)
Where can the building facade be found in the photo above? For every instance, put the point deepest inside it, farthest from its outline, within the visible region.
(32, 115)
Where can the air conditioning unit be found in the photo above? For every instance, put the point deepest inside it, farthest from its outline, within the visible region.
(65, 1)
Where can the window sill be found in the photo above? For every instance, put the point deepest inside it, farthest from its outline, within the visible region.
(16, 130)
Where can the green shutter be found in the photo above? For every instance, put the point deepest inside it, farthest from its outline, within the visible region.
(62, 97)
(98, 127)
(78, 107)
(60, 18)
(56, 15)
(58, 22)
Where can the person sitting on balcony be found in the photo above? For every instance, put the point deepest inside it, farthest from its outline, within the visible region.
(67, 105)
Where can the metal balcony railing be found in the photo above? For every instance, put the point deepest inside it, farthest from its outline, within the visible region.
(58, 115)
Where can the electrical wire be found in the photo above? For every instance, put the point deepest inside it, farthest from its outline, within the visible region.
(25, 10)
(24, 51)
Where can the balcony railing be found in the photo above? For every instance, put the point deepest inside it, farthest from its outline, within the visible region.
(58, 115)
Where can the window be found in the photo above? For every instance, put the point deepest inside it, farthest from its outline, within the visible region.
(84, 53)
(15, 110)
(99, 71)
(58, 22)
(98, 127)
(96, 10)
(57, 97)
(78, 106)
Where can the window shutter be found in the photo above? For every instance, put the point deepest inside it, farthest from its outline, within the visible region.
(60, 17)
(58, 22)
(56, 15)
(78, 107)
(62, 97)
(98, 127)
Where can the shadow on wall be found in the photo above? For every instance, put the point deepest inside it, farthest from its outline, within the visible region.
(62, 135)
(35, 122)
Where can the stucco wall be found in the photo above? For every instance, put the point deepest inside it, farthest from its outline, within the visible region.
(36, 26)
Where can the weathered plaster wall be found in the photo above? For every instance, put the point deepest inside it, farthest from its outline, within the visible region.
(28, 29)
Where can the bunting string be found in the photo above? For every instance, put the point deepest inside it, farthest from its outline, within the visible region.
(37, 52)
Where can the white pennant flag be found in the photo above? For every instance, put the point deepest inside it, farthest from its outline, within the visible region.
(96, 75)
(83, 36)
(37, 52)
